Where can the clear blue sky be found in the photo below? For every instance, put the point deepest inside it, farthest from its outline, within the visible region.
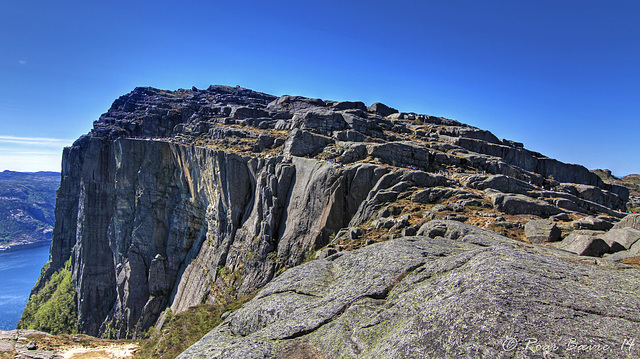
(561, 76)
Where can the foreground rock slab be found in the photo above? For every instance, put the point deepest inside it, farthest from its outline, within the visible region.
(464, 293)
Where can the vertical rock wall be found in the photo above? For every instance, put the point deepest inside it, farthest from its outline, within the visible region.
(151, 224)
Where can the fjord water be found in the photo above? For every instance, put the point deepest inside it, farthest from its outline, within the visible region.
(19, 270)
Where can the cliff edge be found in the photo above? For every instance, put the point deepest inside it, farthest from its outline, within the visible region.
(177, 198)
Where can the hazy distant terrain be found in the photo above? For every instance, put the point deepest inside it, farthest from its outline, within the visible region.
(27, 202)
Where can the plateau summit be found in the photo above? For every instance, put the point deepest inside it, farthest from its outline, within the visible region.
(365, 232)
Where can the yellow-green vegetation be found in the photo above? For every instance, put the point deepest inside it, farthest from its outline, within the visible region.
(53, 308)
(634, 261)
(224, 288)
(180, 331)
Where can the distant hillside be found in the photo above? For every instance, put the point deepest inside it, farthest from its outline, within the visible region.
(27, 202)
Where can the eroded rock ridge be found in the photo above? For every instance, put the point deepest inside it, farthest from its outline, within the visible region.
(177, 198)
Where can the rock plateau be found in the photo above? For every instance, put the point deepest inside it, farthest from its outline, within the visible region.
(177, 198)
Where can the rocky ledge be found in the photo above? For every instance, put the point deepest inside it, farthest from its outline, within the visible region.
(457, 292)
(177, 198)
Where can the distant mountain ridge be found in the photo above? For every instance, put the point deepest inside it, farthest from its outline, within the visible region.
(27, 202)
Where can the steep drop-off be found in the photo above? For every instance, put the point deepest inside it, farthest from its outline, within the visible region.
(177, 198)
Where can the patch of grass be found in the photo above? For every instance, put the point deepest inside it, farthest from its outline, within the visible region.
(634, 261)
(53, 308)
(309, 256)
(182, 330)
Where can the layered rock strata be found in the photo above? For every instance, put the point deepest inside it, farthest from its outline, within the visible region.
(176, 198)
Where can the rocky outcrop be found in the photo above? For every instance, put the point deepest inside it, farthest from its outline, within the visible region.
(435, 297)
(630, 221)
(500, 183)
(584, 245)
(622, 238)
(177, 198)
(173, 215)
(521, 204)
(304, 144)
(592, 223)
(540, 231)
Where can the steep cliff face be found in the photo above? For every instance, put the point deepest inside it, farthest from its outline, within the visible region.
(157, 221)
(185, 197)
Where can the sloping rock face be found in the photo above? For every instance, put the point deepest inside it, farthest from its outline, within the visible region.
(176, 198)
(630, 221)
(173, 215)
(478, 296)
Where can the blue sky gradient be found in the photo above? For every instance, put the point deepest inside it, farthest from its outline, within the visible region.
(561, 76)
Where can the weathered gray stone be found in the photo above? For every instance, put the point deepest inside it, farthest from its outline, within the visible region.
(625, 237)
(324, 253)
(294, 103)
(620, 256)
(440, 208)
(499, 182)
(146, 181)
(540, 231)
(520, 204)
(349, 136)
(409, 231)
(592, 223)
(596, 194)
(302, 143)
(564, 217)
(432, 298)
(456, 217)
(354, 153)
(355, 233)
(584, 245)
(630, 221)
(431, 195)
(381, 109)
(635, 249)
(166, 199)
(401, 154)
(321, 121)
(350, 105)
(248, 112)
(263, 142)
